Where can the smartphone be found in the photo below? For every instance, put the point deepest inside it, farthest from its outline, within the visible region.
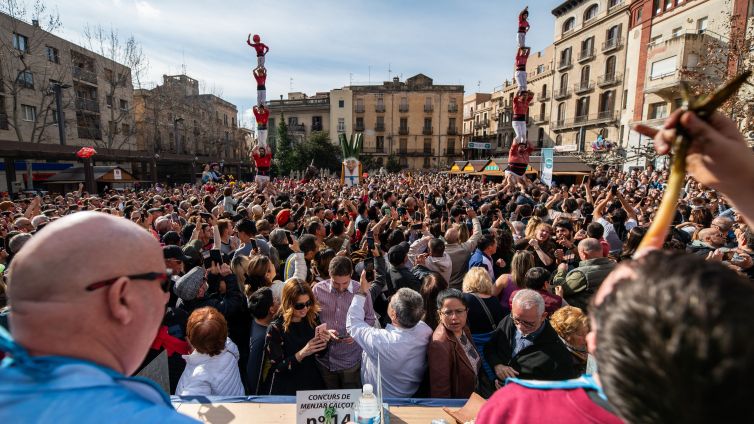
(216, 256)
(369, 268)
(370, 241)
(320, 330)
(417, 226)
(290, 237)
(614, 189)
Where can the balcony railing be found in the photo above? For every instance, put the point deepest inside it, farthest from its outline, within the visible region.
(359, 108)
(296, 128)
(403, 130)
(543, 97)
(564, 64)
(3, 121)
(428, 108)
(87, 104)
(562, 94)
(583, 87)
(541, 118)
(90, 133)
(452, 108)
(374, 150)
(427, 130)
(379, 127)
(452, 131)
(379, 108)
(358, 127)
(84, 75)
(403, 108)
(414, 151)
(612, 44)
(609, 79)
(586, 54)
(604, 117)
(317, 127)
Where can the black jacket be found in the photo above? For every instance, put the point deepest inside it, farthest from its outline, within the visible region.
(400, 277)
(546, 359)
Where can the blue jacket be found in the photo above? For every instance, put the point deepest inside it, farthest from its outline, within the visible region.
(479, 259)
(67, 390)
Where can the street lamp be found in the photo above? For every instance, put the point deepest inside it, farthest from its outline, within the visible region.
(175, 135)
(57, 87)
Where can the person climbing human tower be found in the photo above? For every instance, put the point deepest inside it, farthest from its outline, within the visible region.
(260, 48)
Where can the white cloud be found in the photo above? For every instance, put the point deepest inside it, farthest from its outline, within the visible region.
(146, 10)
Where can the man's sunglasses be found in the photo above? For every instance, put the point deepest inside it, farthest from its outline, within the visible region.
(162, 277)
(300, 306)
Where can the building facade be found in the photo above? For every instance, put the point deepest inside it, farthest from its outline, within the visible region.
(415, 121)
(589, 54)
(476, 123)
(303, 114)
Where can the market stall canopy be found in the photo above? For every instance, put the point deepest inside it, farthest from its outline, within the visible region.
(564, 165)
(458, 166)
(475, 166)
(102, 174)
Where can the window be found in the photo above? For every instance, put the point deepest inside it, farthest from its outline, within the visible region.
(341, 124)
(569, 25)
(625, 99)
(52, 54)
(54, 116)
(663, 68)
(591, 12)
(25, 79)
(126, 130)
(428, 145)
(658, 110)
(124, 107)
(607, 101)
(677, 32)
(585, 71)
(404, 124)
(426, 163)
(542, 112)
(563, 83)
(541, 68)
(109, 100)
(380, 125)
(316, 123)
(559, 140)
(427, 123)
(21, 42)
(587, 48)
(561, 112)
(30, 113)
(380, 143)
(108, 74)
(359, 123)
(613, 34)
(610, 67)
(638, 16)
(565, 57)
(403, 145)
(582, 107)
(656, 7)
(341, 103)
(613, 3)
(540, 137)
(701, 25)
(668, 4)
(225, 115)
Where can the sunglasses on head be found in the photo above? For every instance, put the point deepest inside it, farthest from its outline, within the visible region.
(300, 306)
(162, 277)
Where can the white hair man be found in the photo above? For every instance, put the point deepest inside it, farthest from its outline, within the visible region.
(525, 346)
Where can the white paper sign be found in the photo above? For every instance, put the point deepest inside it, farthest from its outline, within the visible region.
(117, 175)
(311, 405)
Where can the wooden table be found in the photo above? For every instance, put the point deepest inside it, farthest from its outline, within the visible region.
(264, 413)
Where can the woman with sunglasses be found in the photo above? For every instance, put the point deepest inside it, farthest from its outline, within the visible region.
(454, 362)
(292, 342)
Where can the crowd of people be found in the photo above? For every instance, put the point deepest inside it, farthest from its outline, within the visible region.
(448, 285)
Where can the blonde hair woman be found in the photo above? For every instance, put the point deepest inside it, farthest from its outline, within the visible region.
(485, 311)
(572, 326)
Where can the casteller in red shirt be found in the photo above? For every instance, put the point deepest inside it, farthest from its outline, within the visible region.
(521, 104)
(518, 158)
(522, 56)
(516, 404)
(523, 20)
(258, 45)
(262, 115)
(263, 163)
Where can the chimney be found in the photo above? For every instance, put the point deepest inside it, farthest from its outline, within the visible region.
(35, 22)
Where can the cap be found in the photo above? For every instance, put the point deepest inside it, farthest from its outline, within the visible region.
(187, 287)
(283, 217)
(174, 252)
(397, 254)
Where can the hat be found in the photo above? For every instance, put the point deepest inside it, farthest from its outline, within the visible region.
(397, 254)
(194, 254)
(174, 252)
(283, 217)
(187, 287)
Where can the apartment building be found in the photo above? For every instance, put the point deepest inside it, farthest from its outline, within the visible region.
(96, 93)
(415, 120)
(303, 114)
(589, 55)
(341, 112)
(672, 42)
(476, 125)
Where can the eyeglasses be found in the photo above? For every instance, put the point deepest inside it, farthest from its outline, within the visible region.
(162, 277)
(451, 312)
(300, 306)
(522, 322)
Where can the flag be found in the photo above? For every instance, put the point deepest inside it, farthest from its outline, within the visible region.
(548, 162)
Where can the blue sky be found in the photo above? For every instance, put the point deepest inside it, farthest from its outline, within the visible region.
(320, 44)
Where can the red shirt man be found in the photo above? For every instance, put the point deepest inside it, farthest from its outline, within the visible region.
(521, 104)
(263, 160)
(260, 74)
(518, 158)
(259, 46)
(262, 115)
(523, 20)
(522, 56)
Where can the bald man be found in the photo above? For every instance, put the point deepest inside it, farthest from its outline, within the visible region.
(579, 285)
(87, 295)
(461, 252)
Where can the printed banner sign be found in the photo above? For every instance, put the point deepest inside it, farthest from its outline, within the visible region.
(320, 406)
(548, 164)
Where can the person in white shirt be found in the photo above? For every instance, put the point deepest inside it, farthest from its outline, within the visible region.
(401, 346)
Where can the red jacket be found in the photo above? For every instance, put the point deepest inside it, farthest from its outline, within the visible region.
(263, 162)
(521, 103)
(515, 157)
(261, 117)
(261, 48)
(522, 56)
(523, 23)
(515, 404)
(261, 79)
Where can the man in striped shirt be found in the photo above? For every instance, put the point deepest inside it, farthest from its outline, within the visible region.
(341, 365)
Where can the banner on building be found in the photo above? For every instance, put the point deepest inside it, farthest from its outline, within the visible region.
(477, 145)
(547, 165)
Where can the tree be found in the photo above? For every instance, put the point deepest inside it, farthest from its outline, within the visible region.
(392, 165)
(118, 81)
(286, 158)
(28, 65)
(318, 149)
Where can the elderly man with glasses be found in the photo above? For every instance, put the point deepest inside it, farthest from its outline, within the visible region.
(524, 345)
(87, 296)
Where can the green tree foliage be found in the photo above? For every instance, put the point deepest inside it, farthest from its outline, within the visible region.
(319, 148)
(285, 157)
(392, 165)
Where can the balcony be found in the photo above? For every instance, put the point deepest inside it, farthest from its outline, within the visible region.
(427, 130)
(601, 118)
(379, 127)
(562, 94)
(428, 108)
(84, 75)
(403, 108)
(90, 133)
(296, 128)
(403, 131)
(87, 105)
(586, 55)
(540, 119)
(609, 79)
(317, 126)
(564, 64)
(543, 97)
(359, 108)
(452, 108)
(358, 127)
(414, 152)
(583, 87)
(612, 44)
(379, 108)
(374, 150)
(683, 46)
(452, 131)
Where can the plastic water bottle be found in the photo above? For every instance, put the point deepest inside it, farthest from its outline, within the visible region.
(368, 411)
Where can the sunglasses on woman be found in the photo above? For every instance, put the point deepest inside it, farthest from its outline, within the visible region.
(300, 306)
